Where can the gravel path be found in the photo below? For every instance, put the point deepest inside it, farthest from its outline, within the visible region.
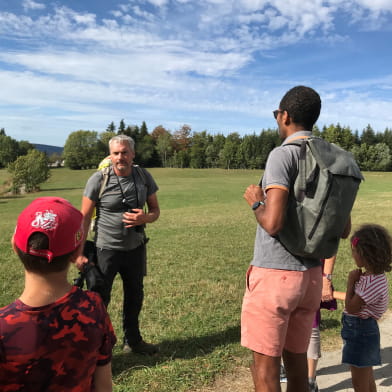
(332, 376)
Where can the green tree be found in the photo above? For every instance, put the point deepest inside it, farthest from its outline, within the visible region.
(360, 154)
(82, 150)
(316, 131)
(143, 129)
(387, 138)
(163, 146)
(24, 147)
(197, 150)
(228, 154)
(121, 127)
(343, 137)
(213, 150)
(111, 127)
(9, 149)
(104, 138)
(375, 157)
(248, 152)
(28, 171)
(269, 139)
(144, 150)
(368, 136)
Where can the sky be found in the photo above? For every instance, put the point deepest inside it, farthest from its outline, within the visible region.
(219, 66)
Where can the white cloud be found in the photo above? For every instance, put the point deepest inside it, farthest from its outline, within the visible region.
(184, 57)
(376, 5)
(158, 3)
(32, 5)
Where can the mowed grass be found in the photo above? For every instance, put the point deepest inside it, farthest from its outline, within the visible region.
(199, 251)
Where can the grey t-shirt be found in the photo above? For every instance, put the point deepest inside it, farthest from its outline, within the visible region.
(110, 232)
(280, 172)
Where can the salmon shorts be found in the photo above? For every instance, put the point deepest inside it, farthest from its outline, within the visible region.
(278, 309)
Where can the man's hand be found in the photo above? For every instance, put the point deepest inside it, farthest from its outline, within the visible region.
(136, 217)
(253, 193)
(80, 261)
(327, 293)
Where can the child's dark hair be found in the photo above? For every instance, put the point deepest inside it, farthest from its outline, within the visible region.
(303, 104)
(39, 264)
(373, 243)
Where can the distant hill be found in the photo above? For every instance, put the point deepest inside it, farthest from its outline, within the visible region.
(49, 150)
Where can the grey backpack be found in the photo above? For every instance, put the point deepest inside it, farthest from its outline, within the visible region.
(324, 194)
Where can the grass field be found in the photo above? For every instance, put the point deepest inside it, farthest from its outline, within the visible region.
(199, 251)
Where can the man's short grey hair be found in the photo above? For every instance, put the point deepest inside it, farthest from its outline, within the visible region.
(123, 139)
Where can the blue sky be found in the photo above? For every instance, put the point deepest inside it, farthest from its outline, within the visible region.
(216, 65)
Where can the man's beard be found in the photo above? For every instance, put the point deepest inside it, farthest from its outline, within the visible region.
(122, 166)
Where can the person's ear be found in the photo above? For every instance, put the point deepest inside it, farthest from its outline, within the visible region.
(286, 118)
(76, 253)
(13, 245)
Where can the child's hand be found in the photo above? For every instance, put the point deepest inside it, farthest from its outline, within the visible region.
(354, 275)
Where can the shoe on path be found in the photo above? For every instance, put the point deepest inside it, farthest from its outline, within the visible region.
(313, 386)
(283, 377)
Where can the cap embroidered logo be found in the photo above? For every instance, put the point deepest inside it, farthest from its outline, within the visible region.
(45, 220)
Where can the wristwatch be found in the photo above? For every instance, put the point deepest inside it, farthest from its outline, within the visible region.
(328, 276)
(257, 204)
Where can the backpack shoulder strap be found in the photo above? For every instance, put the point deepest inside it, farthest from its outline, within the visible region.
(141, 172)
(301, 142)
(105, 178)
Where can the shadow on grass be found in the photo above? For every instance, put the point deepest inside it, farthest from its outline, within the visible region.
(383, 372)
(11, 197)
(186, 348)
(4, 198)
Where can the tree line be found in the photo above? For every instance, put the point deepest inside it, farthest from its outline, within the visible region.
(183, 148)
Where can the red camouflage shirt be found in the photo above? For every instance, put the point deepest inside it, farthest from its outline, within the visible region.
(55, 347)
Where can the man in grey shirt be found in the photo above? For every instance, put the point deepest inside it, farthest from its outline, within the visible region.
(283, 291)
(119, 231)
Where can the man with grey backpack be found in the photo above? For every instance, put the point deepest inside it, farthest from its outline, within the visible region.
(118, 194)
(302, 208)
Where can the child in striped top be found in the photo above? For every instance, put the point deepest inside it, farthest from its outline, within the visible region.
(366, 299)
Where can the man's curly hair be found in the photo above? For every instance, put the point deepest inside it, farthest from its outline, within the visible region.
(373, 244)
(303, 104)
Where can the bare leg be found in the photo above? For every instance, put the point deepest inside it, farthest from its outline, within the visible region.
(312, 368)
(265, 372)
(363, 379)
(296, 371)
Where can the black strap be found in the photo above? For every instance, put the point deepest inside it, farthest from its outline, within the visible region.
(135, 186)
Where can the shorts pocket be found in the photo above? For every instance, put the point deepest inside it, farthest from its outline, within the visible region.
(247, 278)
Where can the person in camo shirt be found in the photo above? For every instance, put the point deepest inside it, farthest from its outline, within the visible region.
(54, 337)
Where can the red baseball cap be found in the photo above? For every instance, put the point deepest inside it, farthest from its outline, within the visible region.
(58, 219)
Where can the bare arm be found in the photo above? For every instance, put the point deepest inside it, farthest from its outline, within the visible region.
(271, 215)
(87, 211)
(103, 378)
(341, 295)
(353, 302)
(153, 209)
